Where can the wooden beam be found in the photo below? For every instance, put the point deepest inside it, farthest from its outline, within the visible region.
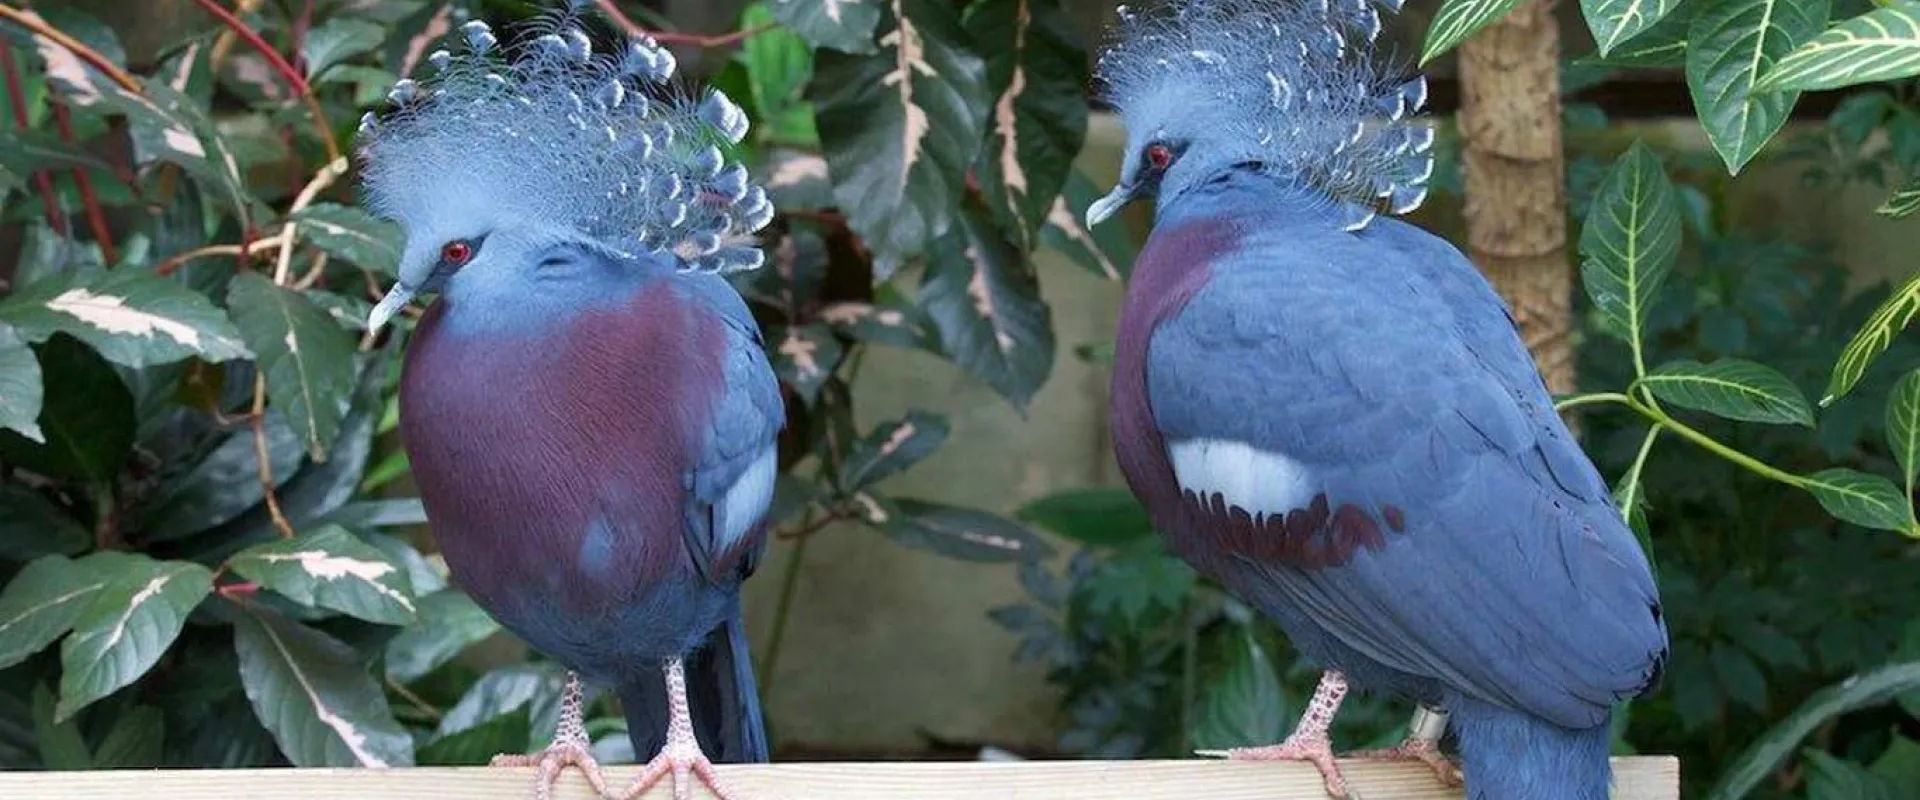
(1637, 778)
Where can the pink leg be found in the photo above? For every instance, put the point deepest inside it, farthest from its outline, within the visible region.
(681, 756)
(1422, 744)
(1309, 741)
(570, 747)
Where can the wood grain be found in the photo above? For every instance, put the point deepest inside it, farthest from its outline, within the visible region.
(1638, 778)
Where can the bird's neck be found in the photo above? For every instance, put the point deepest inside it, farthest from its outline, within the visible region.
(1236, 190)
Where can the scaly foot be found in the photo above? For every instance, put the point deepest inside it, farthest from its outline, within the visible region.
(681, 756)
(570, 748)
(1309, 741)
(1422, 744)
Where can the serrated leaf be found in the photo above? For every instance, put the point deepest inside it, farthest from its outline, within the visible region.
(962, 533)
(1037, 75)
(87, 417)
(166, 125)
(132, 317)
(1092, 517)
(1903, 424)
(221, 486)
(449, 622)
(804, 357)
(1760, 760)
(337, 40)
(1903, 202)
(1244, 706)
(41, 603)
(845, 25)
(1629, 242)
(1866, 500)
(21, 389)
(307, 359)
(316, 696)
(984, 300)
(1873, 338)
(1615, 22)
(1731, 388)
(127, 624)
(330, 568)
(1730, 45)
(1880, 45)
(352, 235)
(24, 152)
(778, 64)
(1458, 19)
(891, 448)
(1106, 251)
(900, 128)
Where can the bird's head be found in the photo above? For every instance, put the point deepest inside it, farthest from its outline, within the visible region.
(515, 171)
(1286, 87)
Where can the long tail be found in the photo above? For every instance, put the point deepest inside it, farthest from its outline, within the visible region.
(1507, 754)
(721, 694)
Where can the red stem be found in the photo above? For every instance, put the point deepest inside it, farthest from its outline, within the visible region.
(288, 75)
(17, 98)
(96, 218)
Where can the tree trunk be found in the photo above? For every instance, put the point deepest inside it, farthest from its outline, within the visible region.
(1516, 210)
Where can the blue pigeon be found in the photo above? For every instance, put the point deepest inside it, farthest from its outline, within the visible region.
(1334, 417)
(589, 413)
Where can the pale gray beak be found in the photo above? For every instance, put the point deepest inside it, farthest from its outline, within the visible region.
(396, 299)
(1110, 205)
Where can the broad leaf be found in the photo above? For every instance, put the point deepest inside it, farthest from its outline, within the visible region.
(1244, 705)
(169, 126)
(1872, 339)
(1869, 501)
(61, 745)
(900, 128)
(1903, 425)
(1761, 760)
(1731, 388)
(223, 485)
(1904, 200)
(1663, 46)
(779, 64)
(1615, 22)
(845, 25)
(1092, 517)
(352, 235)
(32, 527)
(1458, 19)
(307, 359)
(891, 448)
(1730, 45)
(890, 319)
(316, 695)
(131, 316)
(337, 40)
(1629, 242)
(1037, 74)
(24, 152)
(1106, 251)
(331, 569)
(449, 623)
(126, 625)
(962, 533)
(1880, 45)
(21, 389)
(804, 357)
(87, 417)
(985, 301)
(796, 181)
(533, 687)
(41, 603)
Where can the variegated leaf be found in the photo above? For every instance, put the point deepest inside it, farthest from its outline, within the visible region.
(844, 25)
(1729, 46)
(337, 40)
(166, 125)
(449, 622)
(1880, 45)
(132, 317)
(127, 624)
(804, 357)
(316, 695)
(962, 533)
(306, 357)
(1459, 19)
(1106, 251)
(41, 603)
(331, 569)
(352, 235)
(1872, 339)
(1036, 70)
(984, 300)
(20, 388)
(1614, 22)
(1863, 499)
(1629, 242)
(891, 448)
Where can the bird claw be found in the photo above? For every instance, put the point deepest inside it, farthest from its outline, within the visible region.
(1426, 751)
(683, 760)
(1315, 749)
(552, 762)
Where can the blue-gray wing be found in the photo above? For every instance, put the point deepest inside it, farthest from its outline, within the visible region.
(732, 481)
(1380, 371)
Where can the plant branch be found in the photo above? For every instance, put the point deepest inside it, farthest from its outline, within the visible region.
(1578, 400)
(280, 522)
(168, 266)
(290, 76)
(1712, 445)
(33, 22)
(613, 12)
(96, 218)
(415, 700)
(789, 585)
(17, 98)
(289, 234)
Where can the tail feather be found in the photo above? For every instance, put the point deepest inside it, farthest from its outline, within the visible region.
(721, 695)
(1510, 754)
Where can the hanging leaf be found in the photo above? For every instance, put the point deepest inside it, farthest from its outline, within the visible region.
(900, 129)
(21, 389)
(804, 357)
(797, 181)
(127, 624)
(1761, 760)
(1880, 45)
(352, 235)
(1458, 19)
(1630, 496)
(1731, 388)
(962, 533)
(131, 316)
(891, 448)
(41, 603)
(1629, 242)
(1903, 202)
(87, 417)
(169, 126)
(315, 695)
(24, 152)
(331, 569)
(1873, 338)
(1730, 45)
(1903, 425)
(845, 25)
(337, 40)
(1092, 517)
(1616, 22)
(307, 359)
(1869, 501)
(1244, 706)
(449, 623)
(1037, 75)
(1106, 251)
(985, 302)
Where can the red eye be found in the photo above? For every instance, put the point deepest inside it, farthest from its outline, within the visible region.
(1159, 156)
(456, 253)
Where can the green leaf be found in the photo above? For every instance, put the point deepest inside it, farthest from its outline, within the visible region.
(1760, 760)
(134, 740)
(337, 40)
(127, 625)
(1740, 677)
(315, 695)
(1616, 22)
(1630, 496)
(962, 533)
(331, 568)
(221, 486)
(1903, 424)
(1873, 338)
(1458, 19)
(87, 417)
(778, 63)
(24, 152)
(1730, 45)
(534, 688)
(32, 527)
(844, 25)
(1880, 45)
(307, 359)
(1731, 388)
(796, 181)
(1830, 778)
(352, 235)
(1629, 242)
(900, 129)
(890, 319)
(1140, 578)
(1244, 706)
(476, 746)
(449, 623)
(41, 603)
(131, 316)
(61, 745)
(1903, 202)
(891, 448)
(1866, 500)
(168, 126)
(804, 357)
(984, 299)
(1092, 517)
(20, 387)
(1037, 75)
(1106, 251)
